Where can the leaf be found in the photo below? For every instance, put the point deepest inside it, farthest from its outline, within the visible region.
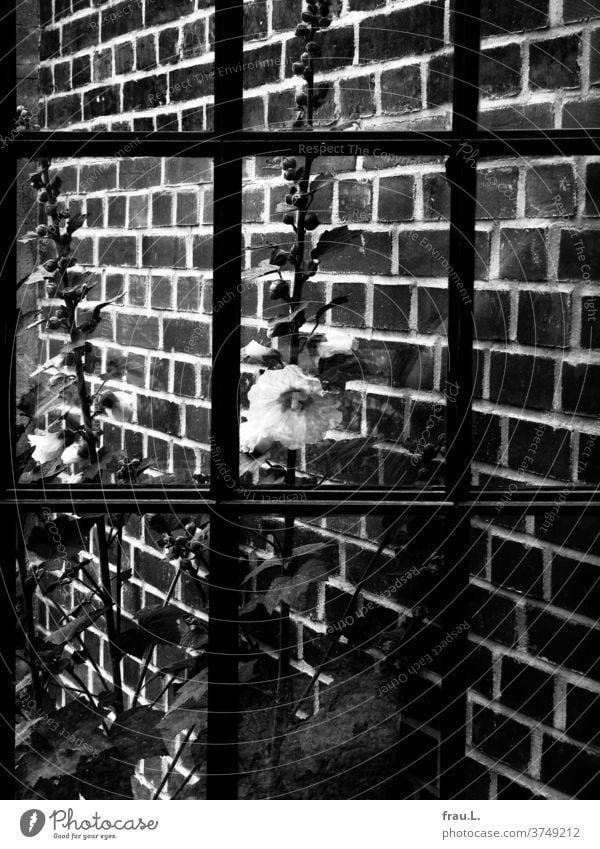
(332, 239)
(189, 707)
(334, 302)
(284, 325)
(39, 275)
(75, 222)
(68, 531)
(292, 589)
(71, 629)
(299, 551)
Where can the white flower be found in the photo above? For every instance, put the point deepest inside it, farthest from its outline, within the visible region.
(48, 446)
(335, 342)
(66, 478)
(117, 405)
(259, 354)
(289, 407)
(74, 453)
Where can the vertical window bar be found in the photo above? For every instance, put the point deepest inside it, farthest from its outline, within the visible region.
(222, 754)
(462, 176)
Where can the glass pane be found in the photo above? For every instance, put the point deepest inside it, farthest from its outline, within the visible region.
(113, 351)
(536, 393)
(370, 338)
(124, 66)
(109, 693)
(341, 690)
(537, 69)
(535, 589)
(356, 67)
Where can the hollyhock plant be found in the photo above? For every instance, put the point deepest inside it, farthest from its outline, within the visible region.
(48, 446)
(288, 407)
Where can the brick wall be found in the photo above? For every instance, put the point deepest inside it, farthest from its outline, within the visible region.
(535, 635)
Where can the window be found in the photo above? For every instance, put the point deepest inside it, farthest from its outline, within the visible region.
(409, 266)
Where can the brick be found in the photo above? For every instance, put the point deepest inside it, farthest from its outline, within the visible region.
(94, 208)
(139, 173)
(286, 14)
(116, 211)
(578, 115)
(544, 319)
(117, 250)
(519, 380)
(162, 209)
(592, 185)
(570, 769)
(145, 52)
(185, 379)
(354, 200)
(439, 80)
(102, 61)
(281, 109)
(337, 49)
(492, 616)
(532, 116)
(351, 314)
(186, 209)
(396, 364)
(137, 331)
(432, 310)
(501, 738)
(588, 462)
(506, 789)
(121, 19)
(256, 19)
(401, 90)
(202, 252)
(595, 58)
(187, 336)
(520, 16)
(63, 111)
(385, 417)
(164, 251)
(500, 72)
(253, 115)
(517, 567)
(80, 33)
(189, 83)
(164, 11)
(564, 642)
(265, 65)
(187, 169)
(582, 714)
(357, 96)
(158, 414)
(159, 374)
(138, 211)
(527, 689)
(114, 285)
(49, 44)
(62, 76)
(497, 192)
(189, 290)
(584, 535)
(404, 32)
(575, 585)
(123, 57)
(168, 46)
(161, 293)
(580, 10)
(97, 178)
(581, 389)
(555, 63)
(550, 191)
(391, 307)
(492, 315)
(539, 449)
(579, 255)
(197, 423)
(100, 101)
(145, 93)
(396, 198)
(370, 253)
(523, 255)
(486, 437)
(45, 80)
(153, 570)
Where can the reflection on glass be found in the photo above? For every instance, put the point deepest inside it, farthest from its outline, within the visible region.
(110, 665)
(113, 350)
(340, 689)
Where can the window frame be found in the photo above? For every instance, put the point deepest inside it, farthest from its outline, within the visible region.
(458, 498)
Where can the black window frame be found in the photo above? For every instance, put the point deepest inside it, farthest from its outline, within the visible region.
(227, 145)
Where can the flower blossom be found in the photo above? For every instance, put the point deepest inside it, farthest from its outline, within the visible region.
(289, 407)
(48, 446)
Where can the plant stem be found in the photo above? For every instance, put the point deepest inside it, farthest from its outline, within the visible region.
(115, 655)
(29, 629)
(174, 762)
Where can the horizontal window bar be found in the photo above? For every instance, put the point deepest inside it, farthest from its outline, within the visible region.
(507, 143)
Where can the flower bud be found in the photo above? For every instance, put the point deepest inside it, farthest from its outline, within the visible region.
(41, 230)
(289, 219)
(298, 68)
(311, 221)
(289, 162)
